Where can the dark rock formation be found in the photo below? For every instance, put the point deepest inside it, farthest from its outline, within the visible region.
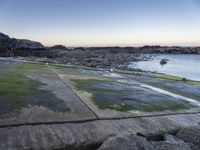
(59, 47)
(191, 136)
(106, 57)
(11, 43)
(126, 142)
(170, 143)
(164, 61)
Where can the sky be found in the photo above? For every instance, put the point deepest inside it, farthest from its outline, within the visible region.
(103, 22)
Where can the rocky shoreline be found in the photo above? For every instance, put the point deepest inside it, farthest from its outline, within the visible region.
(106, 57)
(177, 131)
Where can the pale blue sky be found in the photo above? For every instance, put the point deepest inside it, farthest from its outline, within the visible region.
(103, 22)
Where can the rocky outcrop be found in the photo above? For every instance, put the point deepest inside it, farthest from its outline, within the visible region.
(126, 142)
(191, 136)
(164, 61)
(170, 142)
(59, 47)
(4, 41)
(11, 43)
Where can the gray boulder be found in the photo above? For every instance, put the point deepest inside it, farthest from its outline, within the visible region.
(191, 136)
(4, 41)
(126, 142)
(12, 43)
(170, 143)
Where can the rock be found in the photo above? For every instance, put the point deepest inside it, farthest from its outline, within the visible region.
(126, 142)
(170, 143)
(164, 61)
(59, 47)
(4, 41)
(12, 43)
(191, 136)
(16, 44)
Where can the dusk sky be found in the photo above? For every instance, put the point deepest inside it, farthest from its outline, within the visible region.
(103, 22)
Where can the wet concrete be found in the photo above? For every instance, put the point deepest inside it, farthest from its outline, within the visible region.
(118, 95)
(61, 94)
(48, 118)
(37, 95)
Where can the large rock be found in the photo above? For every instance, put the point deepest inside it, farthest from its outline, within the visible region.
(12, 43)
(170, 143)
(59, 47)
(191, 136)
(4, 41)
(126, 142)
(16, 44)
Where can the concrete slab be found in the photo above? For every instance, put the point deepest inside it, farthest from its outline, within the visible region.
(33, 93)
(79, 135)
(112, 95)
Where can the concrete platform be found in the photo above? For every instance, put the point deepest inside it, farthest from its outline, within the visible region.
(33, 93)
(38, 93)
(90, 135)
(114, 95)
(40, 107)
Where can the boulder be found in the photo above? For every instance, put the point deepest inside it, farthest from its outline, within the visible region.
(126, 142)
(164, 61)
(12, 43)
(170, 143)
(191, 136)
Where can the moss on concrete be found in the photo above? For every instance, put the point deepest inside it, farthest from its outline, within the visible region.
(174, 78)
(18, 91)
(120, 107)
(167, 105)
(28, 66)
(81, 84)
(14, 87)
(110, 98)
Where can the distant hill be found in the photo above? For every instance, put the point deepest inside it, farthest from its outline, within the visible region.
(61, 47)
(11, 43)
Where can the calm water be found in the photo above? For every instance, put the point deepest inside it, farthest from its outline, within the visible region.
(187, 66)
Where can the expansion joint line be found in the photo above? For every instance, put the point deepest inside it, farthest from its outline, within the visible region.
(76, 94)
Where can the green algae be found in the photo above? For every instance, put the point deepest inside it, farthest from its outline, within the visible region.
(84, 84)
(18, 91)
(124, 72)
(120, 107)
(27, 66)
(110, 98)
(168, 77)
(175, 78)
(14, 86)
(167, 105)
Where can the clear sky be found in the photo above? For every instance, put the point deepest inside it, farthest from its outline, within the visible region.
(103, 22)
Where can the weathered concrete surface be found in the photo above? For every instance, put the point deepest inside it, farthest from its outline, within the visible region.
(48, 102)
(124, 91)
(39, 127)
(90, 134)
(189, 90)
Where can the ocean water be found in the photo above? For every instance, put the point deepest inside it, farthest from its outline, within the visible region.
(182, 65)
